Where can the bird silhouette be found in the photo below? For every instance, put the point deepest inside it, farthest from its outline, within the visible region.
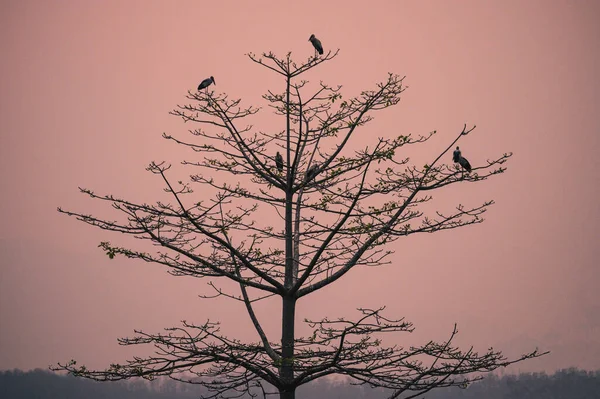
(316, 44)
(312, 172)
(279, 162)
(456, 155)
(462, 161)
(206, 82)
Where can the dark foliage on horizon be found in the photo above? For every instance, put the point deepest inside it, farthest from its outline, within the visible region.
(41, 384)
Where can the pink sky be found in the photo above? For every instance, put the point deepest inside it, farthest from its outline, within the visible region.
(86, 88)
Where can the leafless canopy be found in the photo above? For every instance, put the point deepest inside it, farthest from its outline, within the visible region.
(333, 208)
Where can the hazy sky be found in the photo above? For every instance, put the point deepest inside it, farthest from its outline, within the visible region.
(86, 87)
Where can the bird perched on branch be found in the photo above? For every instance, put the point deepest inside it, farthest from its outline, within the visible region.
(456, 155)
(458, 158)
(316, 44)
(312, 172)
(279, 162)
(206, 82)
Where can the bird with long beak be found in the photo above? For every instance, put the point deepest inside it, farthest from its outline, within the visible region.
(462, 161)
(316, 44)
(206, 82)
(279, 162)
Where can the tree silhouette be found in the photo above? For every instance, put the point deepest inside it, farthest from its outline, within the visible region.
(334, 207)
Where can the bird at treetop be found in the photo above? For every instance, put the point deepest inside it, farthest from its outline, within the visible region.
(316, 44)
(458, 158)
(312, 172)
(279, 162)
(206, 82)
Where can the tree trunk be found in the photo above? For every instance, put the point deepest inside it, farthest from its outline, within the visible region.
(287, 347)
(286, 371)
(287, 395)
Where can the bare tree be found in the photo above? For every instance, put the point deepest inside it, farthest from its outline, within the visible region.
(336, 208)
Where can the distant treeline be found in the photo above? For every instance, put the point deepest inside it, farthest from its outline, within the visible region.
(42, 384)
